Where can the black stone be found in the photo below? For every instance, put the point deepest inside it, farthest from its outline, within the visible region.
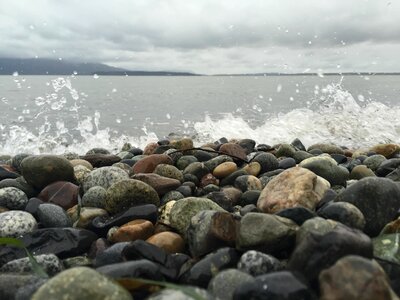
(298, 145)
(63, 242)
(32, 206)
(201, 273)
(136, 151)
(263, 147)
(350, 164)
(247, 145)
(20, 183)
(111, 255)
(394, 175)
(320, 251)
(298, 214)
(161, 149)
(230, 179)
(267, 161)
(328, 197)
(340, 158)
(185, 190)
(6, 174)
(102, 224)
(388, 166)
(287, 163)
(141, 268)
(221, 199)
(282, 285)
(203, 156)
(129, 162)
(191, 178)
(249, 197)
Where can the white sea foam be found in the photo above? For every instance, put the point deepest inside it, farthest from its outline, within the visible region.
(335, 117)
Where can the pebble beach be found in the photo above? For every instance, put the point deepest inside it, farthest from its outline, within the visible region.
(230, 219)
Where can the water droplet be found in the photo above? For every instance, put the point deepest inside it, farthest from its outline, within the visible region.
(265, 286)
(361, 98)
(118, 121)
(279, 88)
(114, 90)
(95, 76)
(15, 74)
(31, 27)
(309, 42)
(21, 119)
(291, 99)
(75, 73)
(260, 96)
(168, 116)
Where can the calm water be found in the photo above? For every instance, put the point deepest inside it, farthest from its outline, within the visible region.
(50, 114)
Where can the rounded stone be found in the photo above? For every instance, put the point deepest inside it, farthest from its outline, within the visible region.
(343, 212)
(81, 283)
(257, 263)
(216, 161)
(285, 150)
(130, 192)
(327, 148)
(49, 262)
(315, 225)
(80, 173)
(95, 197)
(293, 187)
(267, 161)
(13, 198)
(361, 171)
(253, 168)
(223, 285)
(131, 231)
(169, 241)
(52, 215)
(328, 169)
(104, 177)
(15, 223)
(248, 183)
(41, 170)
(62, 193)
(374, 161)
(183, 210)
(233, 150)
(169, 171)
(81, 162)
(150, 162)
(224, 169)
(377, 199)
(387, 150)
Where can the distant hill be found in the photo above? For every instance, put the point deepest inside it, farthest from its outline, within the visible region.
(43, 66)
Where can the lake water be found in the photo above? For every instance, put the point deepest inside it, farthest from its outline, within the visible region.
(51, 114)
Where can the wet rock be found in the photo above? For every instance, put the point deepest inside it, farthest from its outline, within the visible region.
(327, 148)
(368, 280)
(328, 169)
(39, 171)
(376, 198)
(87, 215)
(210, 230)
(6, 172)
(99, 160)
(169, 294)
(17, 160)
(49, 262)
(95, 197)
(201, 273)
(110, 255)
(320, 251)
(293, 187)
(345, 213)
(230, 179)
(62, 242)
(267, 161)
(223, 285)
(281, 285)
(360, 172)
(315, 225)
(224, 169)
(11, 283)
(51, 215)
(183, 210)
(233, 150)
(298, 214)
(169, 171)
(386, 247)
(257, 263)
(182, 144)
(373, 162)
(247, 144)
(298, 145)
(104, 177)
(102, 224)
(266, 233)
(248, 183)
(81, 162)
(299, 156)
(13, 198)
(203, 155)
(216, 161)
(287, 163)
(169, 241)
(128, 193)
(81, 283)
(150, 162)
(15, 223)
(160, 184)
(62, 193)
(387, 150)
(249, 197)
(285, 150)
(142, 268)
(388, 166)
(20, 183)
(133, 230)
(197, 169)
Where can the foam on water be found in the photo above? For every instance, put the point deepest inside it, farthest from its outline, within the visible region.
(334, 116)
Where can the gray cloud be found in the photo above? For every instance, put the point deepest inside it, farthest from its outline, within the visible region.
(207, 36)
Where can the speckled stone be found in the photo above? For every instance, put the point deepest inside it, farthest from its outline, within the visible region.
(41, 170)
(95, 197)
(16, 222)
(80, 173)
(169, 171)
(49, 262)
(248, 183)
(223, 285)
(81, 283)
(87, 214)
(257, 263)
(52, 215)
(13, 198)
(130, 192)
(104, 177)
(165, 212)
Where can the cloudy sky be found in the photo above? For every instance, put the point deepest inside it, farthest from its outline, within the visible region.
(207, 36)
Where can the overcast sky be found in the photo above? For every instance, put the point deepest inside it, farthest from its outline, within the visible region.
(207, 36)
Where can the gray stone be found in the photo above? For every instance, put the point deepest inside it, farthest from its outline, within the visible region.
(104, 177)
(49, 262)
(223, 285)
(95, 197)
(52, 215)
(343, 212)
(15, 223)
(13, 198)
(257, 263)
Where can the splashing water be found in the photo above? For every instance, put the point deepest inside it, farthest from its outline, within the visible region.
(336, 117)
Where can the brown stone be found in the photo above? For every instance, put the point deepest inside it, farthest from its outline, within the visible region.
(392, 227)
(233, 194)
(360, 172)
(161, 184)
(62, 193)
(150, 148)
(235, 150)
(224, 169)
(135, 230)
(253, 168)
(149, 163)
(182, 144)
(387, 150)
(87, 214)
(293, 187)
(354, 278)
(208, 179)
(101, 160)
(169, 241)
